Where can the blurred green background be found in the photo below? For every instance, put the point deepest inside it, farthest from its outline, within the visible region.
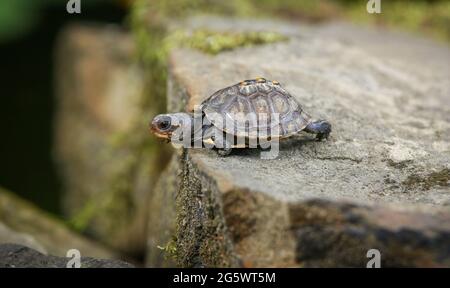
(432, 17)
(28, 29)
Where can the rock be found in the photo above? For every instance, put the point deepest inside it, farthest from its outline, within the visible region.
(23, 223)
(18, 256)
(380, 182)
(331, 234)
(107, 161)
(7, 235)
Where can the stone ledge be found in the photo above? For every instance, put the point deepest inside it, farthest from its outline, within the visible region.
(381, 181)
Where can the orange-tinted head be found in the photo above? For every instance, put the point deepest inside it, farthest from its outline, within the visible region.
(164, 125)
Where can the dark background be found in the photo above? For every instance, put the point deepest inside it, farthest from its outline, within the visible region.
(27, 100)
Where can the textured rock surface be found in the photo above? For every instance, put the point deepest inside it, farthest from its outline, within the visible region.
(101, 144)
(27, 225)
(17, 256)
(331, 234)
(386, 96)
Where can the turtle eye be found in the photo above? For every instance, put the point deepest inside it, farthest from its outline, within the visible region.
(164, 123)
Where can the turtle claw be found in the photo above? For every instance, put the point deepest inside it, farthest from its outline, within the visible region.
(321, 128)
(224, 151)
(321, 136)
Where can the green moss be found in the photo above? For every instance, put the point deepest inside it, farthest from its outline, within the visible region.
(200, 230)
(213, 42)
(83, 217)
(440, 178)
(170, 249)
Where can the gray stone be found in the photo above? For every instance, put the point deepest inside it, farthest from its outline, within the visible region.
(386, 96)
(331, 234)
(17, 256)
(23, 223)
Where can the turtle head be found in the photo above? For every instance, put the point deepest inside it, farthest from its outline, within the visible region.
(165, 125)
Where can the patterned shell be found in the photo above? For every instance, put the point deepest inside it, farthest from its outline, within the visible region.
(255, 108)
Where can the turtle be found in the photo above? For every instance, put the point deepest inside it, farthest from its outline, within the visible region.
(222, 122)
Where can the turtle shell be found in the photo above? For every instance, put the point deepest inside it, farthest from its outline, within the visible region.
(255, 108)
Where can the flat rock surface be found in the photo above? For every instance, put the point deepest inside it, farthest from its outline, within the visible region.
(389, 111)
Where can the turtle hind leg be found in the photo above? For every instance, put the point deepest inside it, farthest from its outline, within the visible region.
(224, 151)
(321, 128)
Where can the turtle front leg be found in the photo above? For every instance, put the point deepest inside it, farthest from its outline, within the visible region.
(321, 128)
(221, 144)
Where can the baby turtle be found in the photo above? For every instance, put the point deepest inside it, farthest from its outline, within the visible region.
(233, 117)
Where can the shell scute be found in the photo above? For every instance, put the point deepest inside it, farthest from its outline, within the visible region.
(247, 90)
(280, 103)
